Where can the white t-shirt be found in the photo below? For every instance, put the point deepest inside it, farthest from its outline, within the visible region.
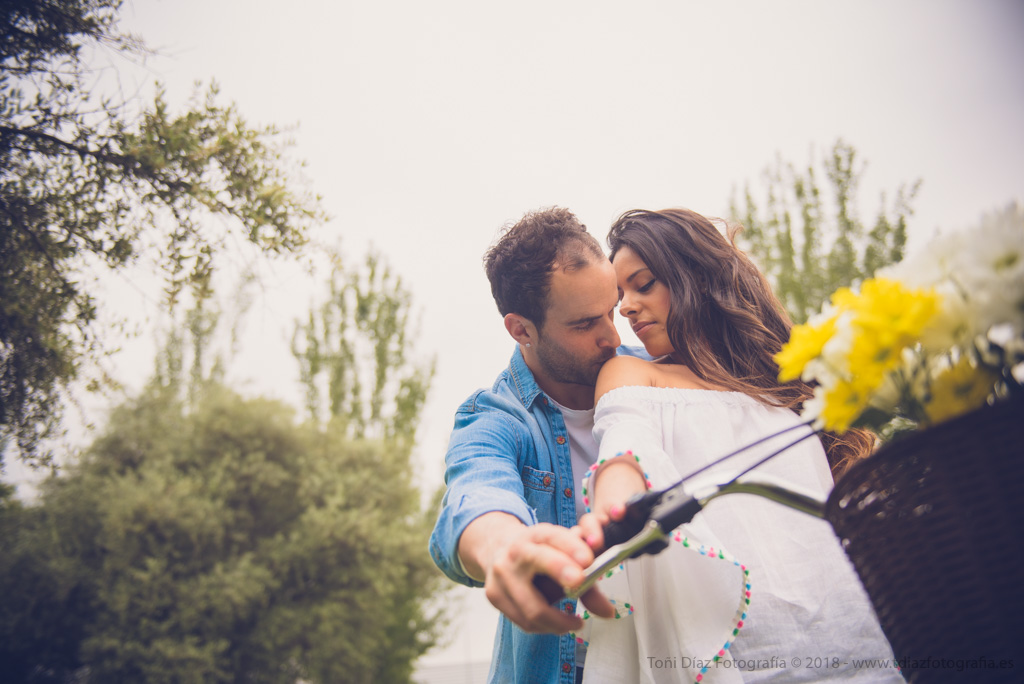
(582, 447)
(583, 453)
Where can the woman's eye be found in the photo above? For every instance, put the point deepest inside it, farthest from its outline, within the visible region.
(648, 286)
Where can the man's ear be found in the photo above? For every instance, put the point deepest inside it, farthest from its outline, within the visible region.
(521, 329)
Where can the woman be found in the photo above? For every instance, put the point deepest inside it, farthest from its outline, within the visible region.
(752, 591)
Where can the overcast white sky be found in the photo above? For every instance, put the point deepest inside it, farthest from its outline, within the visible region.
(429, 125)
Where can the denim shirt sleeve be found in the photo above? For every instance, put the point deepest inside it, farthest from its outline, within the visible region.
(482, 476)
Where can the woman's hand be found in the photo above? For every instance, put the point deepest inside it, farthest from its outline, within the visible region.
(619, 478)
(591, 526)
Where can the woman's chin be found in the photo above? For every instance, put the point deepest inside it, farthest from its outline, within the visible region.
(656, 350)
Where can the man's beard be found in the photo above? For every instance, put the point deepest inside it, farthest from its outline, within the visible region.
(562, 366)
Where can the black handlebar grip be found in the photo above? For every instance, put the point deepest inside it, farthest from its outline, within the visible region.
(638, 510)
(551, 589)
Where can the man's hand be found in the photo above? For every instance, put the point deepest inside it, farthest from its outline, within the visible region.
(506, 555)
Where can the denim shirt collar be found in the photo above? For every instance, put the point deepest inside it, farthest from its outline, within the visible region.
(522, 379)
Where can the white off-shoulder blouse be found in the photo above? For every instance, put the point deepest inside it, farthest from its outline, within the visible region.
(685, 612)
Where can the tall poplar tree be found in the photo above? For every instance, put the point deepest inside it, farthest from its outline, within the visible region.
(355, 355)
(806, 235)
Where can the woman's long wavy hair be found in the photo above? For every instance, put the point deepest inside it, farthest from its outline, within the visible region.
(725, 322)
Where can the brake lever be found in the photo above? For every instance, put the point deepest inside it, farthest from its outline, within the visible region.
(669, 508)
(648, 538)
(644, 528)
(621, 533)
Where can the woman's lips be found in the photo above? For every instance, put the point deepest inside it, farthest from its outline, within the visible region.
(642, 327)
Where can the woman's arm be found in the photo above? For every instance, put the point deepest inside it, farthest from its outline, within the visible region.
(620, 477)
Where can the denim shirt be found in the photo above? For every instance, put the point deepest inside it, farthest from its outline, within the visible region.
(509, 452)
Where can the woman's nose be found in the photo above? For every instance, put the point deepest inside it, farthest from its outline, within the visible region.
(626, 306)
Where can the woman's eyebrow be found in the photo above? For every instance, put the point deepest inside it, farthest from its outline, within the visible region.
(636, 272)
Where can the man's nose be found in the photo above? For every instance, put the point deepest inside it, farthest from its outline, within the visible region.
(609, 335)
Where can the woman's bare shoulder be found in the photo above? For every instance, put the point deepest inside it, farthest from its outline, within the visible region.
(620, 371)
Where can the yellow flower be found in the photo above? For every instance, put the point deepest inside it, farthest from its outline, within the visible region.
(843, 404)
(887, 318)
(845, 299)
(872, 355)
(887, 307)
(959, 389)
(805, 343)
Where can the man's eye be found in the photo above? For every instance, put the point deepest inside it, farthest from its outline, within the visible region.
(586, 326)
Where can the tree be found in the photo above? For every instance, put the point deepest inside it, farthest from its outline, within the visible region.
(88, 181)
(808, 251)
(207, 537)
(218, 543)
(354, 351)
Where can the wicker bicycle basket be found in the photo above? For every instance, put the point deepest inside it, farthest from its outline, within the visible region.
(934, 524)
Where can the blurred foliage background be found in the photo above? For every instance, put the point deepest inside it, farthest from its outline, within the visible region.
(203, 536)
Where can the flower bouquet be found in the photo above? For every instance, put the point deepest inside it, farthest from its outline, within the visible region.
(928, 339)
(930, 355)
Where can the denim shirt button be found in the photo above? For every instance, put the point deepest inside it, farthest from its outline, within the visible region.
(568, 492)
(547, 480)
(566, 667)
(560, 439)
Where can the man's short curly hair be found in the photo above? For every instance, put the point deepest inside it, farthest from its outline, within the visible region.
(519, 265)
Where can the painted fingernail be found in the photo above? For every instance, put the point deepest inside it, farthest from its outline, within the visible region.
(592, 540)
(616, 510)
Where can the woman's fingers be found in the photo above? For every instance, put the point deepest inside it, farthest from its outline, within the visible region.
(591, 530)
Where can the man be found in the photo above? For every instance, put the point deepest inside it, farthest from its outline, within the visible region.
(519, 450)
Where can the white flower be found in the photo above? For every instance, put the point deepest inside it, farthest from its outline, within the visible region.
(1018, 373)
(820, 372)
(815, 406)
(990, 269)
(837, 350)
(954, 324)
(979, 272)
